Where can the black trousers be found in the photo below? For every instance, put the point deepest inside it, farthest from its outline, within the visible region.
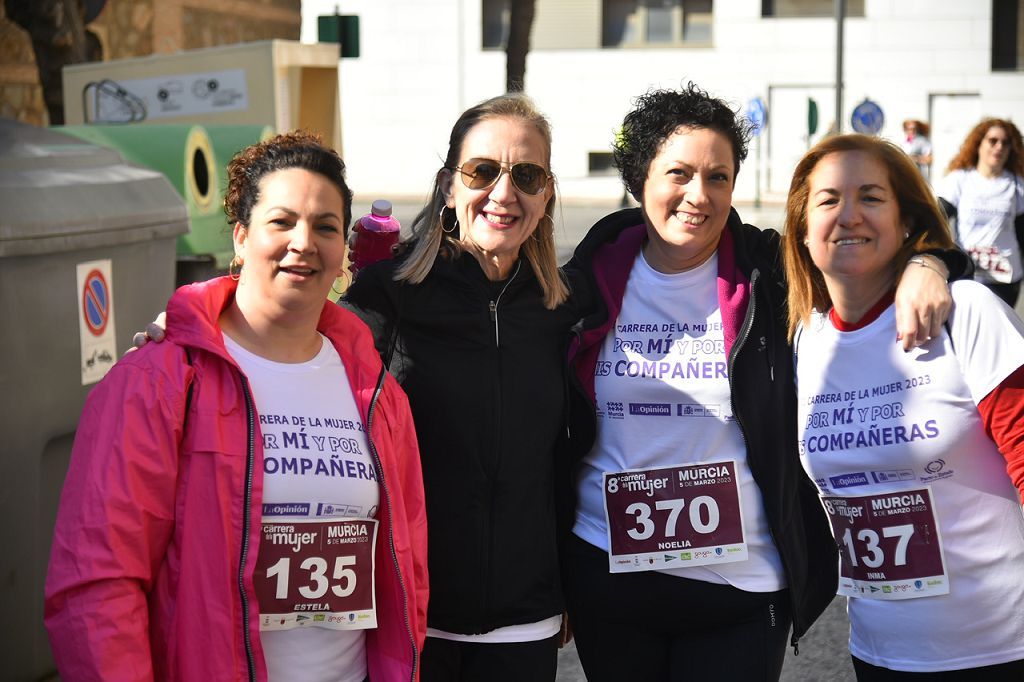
(655, 627)
(445, 660)
(1004, 672)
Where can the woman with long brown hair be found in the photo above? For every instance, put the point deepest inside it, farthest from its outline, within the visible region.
(910, 451)
(984, 192)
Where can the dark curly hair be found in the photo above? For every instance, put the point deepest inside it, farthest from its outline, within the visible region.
(297, 149)
(657, 114)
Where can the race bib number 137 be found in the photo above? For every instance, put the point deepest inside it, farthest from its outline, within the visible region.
(673, 517)
(889, 545)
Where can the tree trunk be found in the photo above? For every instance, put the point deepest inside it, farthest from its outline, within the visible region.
(58, 35)
(520, 23)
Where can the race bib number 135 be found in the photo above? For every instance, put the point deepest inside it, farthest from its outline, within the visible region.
(316, 574)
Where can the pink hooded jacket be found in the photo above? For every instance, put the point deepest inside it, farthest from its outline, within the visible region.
(151, 572)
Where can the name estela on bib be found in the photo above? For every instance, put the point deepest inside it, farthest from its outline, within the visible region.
(313, 573)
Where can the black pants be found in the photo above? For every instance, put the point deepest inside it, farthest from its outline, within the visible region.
(445, 660)
(1007, 292)
(1004, 672)
(655, 627)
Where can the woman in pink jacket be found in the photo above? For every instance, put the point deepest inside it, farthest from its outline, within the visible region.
(245, 502)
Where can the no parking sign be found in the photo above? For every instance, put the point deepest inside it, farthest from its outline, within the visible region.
(96, 319)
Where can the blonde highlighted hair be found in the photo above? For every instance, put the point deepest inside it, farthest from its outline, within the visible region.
(430, 229)
(919, 214)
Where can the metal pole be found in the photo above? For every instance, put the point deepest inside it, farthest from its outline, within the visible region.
(840, 14)
(757, 170)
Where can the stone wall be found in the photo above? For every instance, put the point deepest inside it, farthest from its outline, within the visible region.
(204, 27)
(21, 96)
(136, 28)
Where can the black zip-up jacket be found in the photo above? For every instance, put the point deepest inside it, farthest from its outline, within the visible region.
(483, 365)
(763, 397)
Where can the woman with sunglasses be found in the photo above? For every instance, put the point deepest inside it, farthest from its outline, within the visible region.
(471, 318)
(698, 540)
(984, 192)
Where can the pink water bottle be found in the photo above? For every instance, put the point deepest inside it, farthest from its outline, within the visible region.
(373, 236)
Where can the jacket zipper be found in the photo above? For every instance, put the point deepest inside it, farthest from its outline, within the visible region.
(391, 533)
(492, 306)
(250, 463)
(748, 324)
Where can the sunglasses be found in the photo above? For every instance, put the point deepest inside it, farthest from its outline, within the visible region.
(528, 178)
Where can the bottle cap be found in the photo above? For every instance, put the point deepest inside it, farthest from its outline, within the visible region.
(381, 208)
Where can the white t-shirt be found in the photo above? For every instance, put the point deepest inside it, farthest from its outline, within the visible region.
(918, 145)
(316, 464)
(527, 632)
(667, 350)
(985, 210)
(876, 420)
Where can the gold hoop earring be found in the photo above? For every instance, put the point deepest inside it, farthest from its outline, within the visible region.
(339, 293)
(440, 216)
(236, 262)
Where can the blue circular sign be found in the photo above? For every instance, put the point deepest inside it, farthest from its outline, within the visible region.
(757, 114)
(867, 118)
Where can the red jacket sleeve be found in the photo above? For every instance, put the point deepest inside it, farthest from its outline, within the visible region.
(415, 506)
(1002, 412)
(114, 522)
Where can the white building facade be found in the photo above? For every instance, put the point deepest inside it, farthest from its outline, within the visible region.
(422, 62)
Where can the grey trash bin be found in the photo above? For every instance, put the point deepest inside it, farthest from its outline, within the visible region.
(87, 251)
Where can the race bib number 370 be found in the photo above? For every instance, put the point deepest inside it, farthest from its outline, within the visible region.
(673, 517)
(317, 574)
(889, 545)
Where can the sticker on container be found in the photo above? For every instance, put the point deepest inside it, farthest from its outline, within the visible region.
(173, 96)
(95, 302)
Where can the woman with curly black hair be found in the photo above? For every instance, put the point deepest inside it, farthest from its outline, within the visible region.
(696, 534)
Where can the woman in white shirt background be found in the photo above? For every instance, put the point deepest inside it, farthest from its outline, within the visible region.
(984, 192)
(917, 145)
